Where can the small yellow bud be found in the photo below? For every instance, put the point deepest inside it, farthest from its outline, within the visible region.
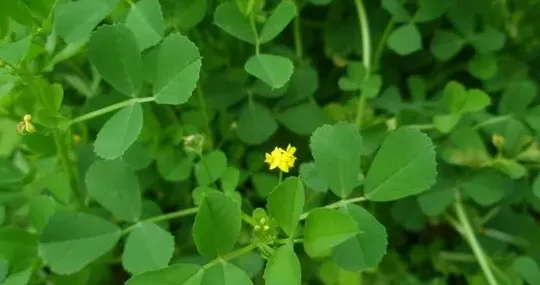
(77, 139)
(339, 61)
(497, 141)
(26, 126)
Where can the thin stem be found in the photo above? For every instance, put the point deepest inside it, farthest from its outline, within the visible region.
(249, 219)
(360, 110)
(380, 47)
(366, 56)
(202, 103)
(280, 177)
(63, 155)
(110, 108)
(232, 255)
(366, 38)
(470, 237)
(254, 30)
(286, 241)
(338, 204)
(298, 37)
(507, 238)
(177, 214)
(492, 121)
(421, 127)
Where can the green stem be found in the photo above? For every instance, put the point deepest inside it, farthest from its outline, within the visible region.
(492, 121)
(298, 37)
(168, 216)
(110, 108)
(360, 110)
(63, 155)
(280, 177)
(202, 103)
(338, 204)
(249, 219)
(232, 255)
(366, 38)
(470, 237)
(254, 30)
(366, 56)
(380, 47)
(506, 238)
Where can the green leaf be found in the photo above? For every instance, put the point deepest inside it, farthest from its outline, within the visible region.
(4, 269)
(178, 67)
(119, 132)
(457, 99)
(283, 268)
(302, 86)
(404, 165)
(9, 175)
(367, 248)
(445, 45)
(177, 274)
(274, 70)
(407, 213)
(286, 203)
(225, 273)
(115, 53)
(371, 86)
(255, 123)
(325, 229)
(13, 53)
(264, 183)
(446, 123)
(312, 178)
(517, 97)
(536, 186)
(185, 14)
(337, 151)
(210, 167)
(229, 179)
(71, 240)
(397, 10)
(490, 40)
(430, 10)
(302, 119)
(436, 200)
(174, 165)
(483, 66)
(405, 39)
(217, 225)
(146, 22)
(487, 187)
(68, 15)
(418, 87)
(138, 156)
(148, 248)
(527, 268)
(230, 19)
(41, 208)
(278, 20)
(115, 187)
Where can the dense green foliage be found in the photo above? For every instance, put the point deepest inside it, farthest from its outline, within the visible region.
(278, 142)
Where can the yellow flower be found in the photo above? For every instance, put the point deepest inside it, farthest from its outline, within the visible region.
(26, 126)
(280, 158)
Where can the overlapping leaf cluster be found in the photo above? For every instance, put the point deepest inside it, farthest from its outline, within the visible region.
(133, 138)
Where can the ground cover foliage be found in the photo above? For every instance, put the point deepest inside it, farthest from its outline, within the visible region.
(337, 142)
